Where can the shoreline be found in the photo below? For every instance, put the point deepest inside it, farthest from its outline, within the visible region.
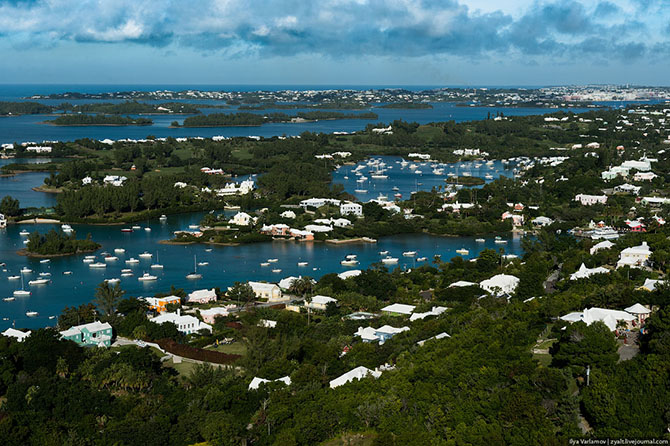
(24, 252)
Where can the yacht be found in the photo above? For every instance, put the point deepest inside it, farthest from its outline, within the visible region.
(422, 259)
(22, 292)
(24, 233)
(98, 265)
(132, 261)
(273, 260)
(126, 230)
(87, 260)
(111, 259)
(126, 273)
(157, 265)
(45, 274)
(119, 250)
(146, 255)
(203, 263)
(390, 260)
(147, 229)
(351, 257)
(462, 251)
(383, 253)
(303, 263)
(265, 263)
(500, 241)
(146, 277)
(66, 228)
(112, 281)
(9, 299)
(361, 191)
(195, 274)
(409, 253)
(163, 218)
(32, 313)
(480, 240)
(13, 277)
(67, 273)
(45, 261)
(208, 250)
(26, 270)
(276, 270)
(136, 227)
(38, 282)
(349, 262)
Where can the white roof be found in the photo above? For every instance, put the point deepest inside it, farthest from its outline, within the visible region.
(501, 283)
(591, 315)
(462, 283)
(387, 329)
(605, 244)
(437, 336)
(18, 334)
(435, 311)
(322, 300)
(399, 308)
(286, 282)
(637, 309)
(357, 373)
(202, 294)
(350, 273)
(261, 286)
(256, 382)
(585, 272)
(214, 311)
(650, 284)
(367, 333)
(642, 249)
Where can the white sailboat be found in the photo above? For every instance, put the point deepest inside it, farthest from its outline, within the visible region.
(195, 274)
(22, 292)
(157, 265)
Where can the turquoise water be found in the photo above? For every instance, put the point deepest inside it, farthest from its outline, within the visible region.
(226, 264)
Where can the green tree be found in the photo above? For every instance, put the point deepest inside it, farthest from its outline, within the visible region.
(9, 206)
(583, 345)
(107, 298)
(241, 292)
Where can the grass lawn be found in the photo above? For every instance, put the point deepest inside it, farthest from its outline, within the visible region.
(184, 368)
(542, 358)
(236, 348)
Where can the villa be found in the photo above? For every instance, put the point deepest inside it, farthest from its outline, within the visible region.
(114, 180)
(269, 291)
(589, 200)
(583, 272)
(398, 309)
(209, 316)
(611, 318)
(351, 209)
(635, 256)
(605, 244)
(242, 188)
(185, 324)
(202, 296)
(319, 302)
(94, 334)
(381, 334)
(159, 304)
(241, 219)
(500, 284)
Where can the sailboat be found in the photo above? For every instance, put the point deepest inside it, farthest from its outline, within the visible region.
(156, 265)
(195, 274)
(22, 292)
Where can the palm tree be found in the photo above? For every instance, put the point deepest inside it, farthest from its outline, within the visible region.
(302, 286)
(107, 297)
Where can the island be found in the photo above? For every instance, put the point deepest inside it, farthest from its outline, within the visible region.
(466, 180)
(57, 244)
(80, 120)
(253, 119)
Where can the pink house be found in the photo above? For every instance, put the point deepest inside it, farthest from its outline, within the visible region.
(202, 296)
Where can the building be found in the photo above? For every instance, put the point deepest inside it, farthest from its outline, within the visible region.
(94, 334)
(611, 318)
(16, 334)
(589, 200)
(39, 149)
(643, 166)
(209, 316)
(351, 273)
(269, 291)
(635, 256)
(256, 381)
(357, 373)
(542, 221)
(3, 221)
(583, 272)
(349, 208)
(114, 180)
(242, 188)
(319, 302)
(437, 336)
(500, 284)
(288, 214)
(318, 228)
(605, 244)
(318, 202)
(435, 311)
(186, 324)
(649, 285)
(644, 176)
(398, 309)
(381, 334)
(159, 304)
(202, 296)
(639, 311)
(627, 189)
(241, 219)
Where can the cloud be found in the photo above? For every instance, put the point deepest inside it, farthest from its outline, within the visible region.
(340, 28)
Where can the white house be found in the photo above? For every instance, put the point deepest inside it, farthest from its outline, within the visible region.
(650, 285)
(542, 221)
(437, 336)
(639, 311)
(202, 296)
(318, 202)
(357, 373)
(16, 334)
(185, 324)
(643, 166)
(588, 200)
(256, 381)
(627, 189)
(318, 228)
(39, 149)
(114, 180)
(349, 208)
(500, 284)
(435, 311)
(320, 302)
(351, 273)
(610, 318)
(399, 309)
(241, 219)
(644, 176)
(86, 180)
(269, 291)
(462, 283)
(242, 188)
(655, 201)
(606, 244)
(635, 256)
(288, 214)
(583, 272)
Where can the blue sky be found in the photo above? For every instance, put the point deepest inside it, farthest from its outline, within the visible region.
(390, 42)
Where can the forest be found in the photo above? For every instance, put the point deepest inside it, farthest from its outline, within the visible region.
(55, 243)
(253, 119)
(83, 119)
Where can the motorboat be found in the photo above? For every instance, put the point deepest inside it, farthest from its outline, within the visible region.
(480, 240)
(24, 233)
(276, 270)
(462, 251)
(351, 257)
(136, 227)
(208, 250)
(112, 281)
(97, 265)
(127, 270)
(265, 263)
(32, 313)
(351, 262)
(409, 254)
(67, 273)
(127, 274)
(119, 250)
(45, 274)
(45, 261)
(383, 253)
(194, 226)
(111, 259)
(203, 263)
(163, 218)
(66, 228)
(13, 277)
(146, 255)
(126, 230)
(303, 263)
(273, 260)
(390, 260)
(132, 261)
(397, 195)
(9, 299)
(422, 259)
(361, 191)
(86, 260)
(146, 277)
(39, 282)
(147, 229)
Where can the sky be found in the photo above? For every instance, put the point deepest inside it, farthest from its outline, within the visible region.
(335, 42)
